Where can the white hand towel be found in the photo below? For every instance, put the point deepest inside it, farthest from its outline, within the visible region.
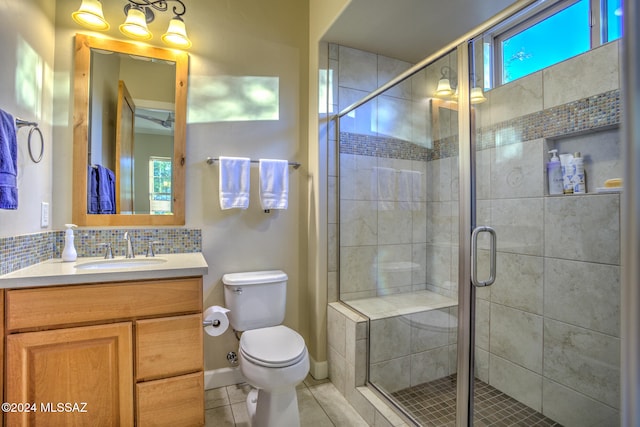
(404, 189)
(274, 184)
(386, 188)
(234, 182)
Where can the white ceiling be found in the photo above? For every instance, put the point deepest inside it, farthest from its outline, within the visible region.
(409, 30)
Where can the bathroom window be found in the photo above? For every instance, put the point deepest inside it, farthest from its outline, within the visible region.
(160, 185)
(613, 27)
(539, 38)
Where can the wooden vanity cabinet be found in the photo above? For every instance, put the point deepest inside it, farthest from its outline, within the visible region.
(111, 354)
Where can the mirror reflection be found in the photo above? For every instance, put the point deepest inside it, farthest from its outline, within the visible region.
(131, 134)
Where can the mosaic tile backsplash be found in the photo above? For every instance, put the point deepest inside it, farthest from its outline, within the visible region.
(22, 251)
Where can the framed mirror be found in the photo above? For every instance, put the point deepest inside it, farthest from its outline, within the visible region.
(129, 138)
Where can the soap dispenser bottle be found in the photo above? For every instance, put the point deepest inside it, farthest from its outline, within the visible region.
(69, 253)
(554, 174)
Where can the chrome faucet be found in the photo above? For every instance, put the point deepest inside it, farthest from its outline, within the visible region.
(130, 253)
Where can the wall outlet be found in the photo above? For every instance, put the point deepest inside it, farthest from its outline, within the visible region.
(44, 214)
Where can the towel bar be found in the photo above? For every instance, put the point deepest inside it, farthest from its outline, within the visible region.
(211, 160)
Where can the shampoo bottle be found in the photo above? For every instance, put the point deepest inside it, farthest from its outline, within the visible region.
(554, 174)
(69, 253)
(567, 166)
(579, 180)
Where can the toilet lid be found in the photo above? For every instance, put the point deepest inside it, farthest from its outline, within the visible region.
(276, 346)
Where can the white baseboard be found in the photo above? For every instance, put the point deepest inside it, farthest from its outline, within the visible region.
(222, 377)
(318, 370)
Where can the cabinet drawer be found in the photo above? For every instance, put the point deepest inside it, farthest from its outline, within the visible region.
(67, 305)
(177, 401)
(168, 346)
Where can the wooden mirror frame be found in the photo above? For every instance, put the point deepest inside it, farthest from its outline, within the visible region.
(83, 46)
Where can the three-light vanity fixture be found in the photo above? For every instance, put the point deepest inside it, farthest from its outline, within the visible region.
(447, 87)
(139, 13)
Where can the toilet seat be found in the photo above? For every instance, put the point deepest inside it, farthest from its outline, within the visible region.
(273, 347)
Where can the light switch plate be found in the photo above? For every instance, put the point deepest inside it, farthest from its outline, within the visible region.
(44, 214)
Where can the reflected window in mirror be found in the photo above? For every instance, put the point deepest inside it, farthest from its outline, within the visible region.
(159, 185)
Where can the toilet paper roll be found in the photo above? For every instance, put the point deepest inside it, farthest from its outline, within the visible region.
(215, 315)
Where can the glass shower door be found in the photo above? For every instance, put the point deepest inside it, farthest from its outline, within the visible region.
(547, 332)
(398, 236)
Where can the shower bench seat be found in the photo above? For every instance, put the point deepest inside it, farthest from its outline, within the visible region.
(401, 304)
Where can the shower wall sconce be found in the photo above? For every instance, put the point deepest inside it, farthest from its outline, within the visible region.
(448, 81)
(476, 96)
(448, 85)
(139, 13)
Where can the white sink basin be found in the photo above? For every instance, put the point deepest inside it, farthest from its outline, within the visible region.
(104, 264)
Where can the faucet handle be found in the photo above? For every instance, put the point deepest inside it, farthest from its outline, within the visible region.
(150, 252)
(108, 254)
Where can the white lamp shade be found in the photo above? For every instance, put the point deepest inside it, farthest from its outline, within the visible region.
(444, 88)
(90, 15)
(476, 96)
(176, 35)
(135, 26)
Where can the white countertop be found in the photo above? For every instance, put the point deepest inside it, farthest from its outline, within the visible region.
(56, 272)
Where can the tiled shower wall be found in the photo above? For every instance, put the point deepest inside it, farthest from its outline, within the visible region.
(548, 330)
(387, 197)
(558, 263)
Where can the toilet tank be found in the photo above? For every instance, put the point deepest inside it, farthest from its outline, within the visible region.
(255, 299)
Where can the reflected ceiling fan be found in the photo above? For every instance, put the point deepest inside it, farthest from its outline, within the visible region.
(166, 123)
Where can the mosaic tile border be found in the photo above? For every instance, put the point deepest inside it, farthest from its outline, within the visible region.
(379, 146)
(22, 251)
(583, 115)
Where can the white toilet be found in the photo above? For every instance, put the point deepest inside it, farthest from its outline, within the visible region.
(273, 358)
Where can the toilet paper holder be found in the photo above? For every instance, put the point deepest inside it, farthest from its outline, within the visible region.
(215, 323)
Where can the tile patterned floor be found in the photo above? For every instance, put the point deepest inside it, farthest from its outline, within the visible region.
(434, 404)
(320, 404)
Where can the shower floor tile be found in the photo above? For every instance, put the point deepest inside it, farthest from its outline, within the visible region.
(433, 404)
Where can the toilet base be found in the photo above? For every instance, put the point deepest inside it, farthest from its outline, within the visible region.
(273, 408)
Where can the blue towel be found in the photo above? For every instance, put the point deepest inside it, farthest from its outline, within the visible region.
(92, 190)
(8, 162)
(106, 191)
(112, 189)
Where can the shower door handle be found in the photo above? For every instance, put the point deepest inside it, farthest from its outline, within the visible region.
(474, 256)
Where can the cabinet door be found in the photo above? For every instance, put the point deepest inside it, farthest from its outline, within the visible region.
(89, 368)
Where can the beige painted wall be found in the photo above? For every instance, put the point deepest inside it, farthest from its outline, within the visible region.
(239, 40)
(322, 15)
(279, 39)
(26, 91)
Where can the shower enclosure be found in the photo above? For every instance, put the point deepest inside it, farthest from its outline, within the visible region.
(420, 168)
